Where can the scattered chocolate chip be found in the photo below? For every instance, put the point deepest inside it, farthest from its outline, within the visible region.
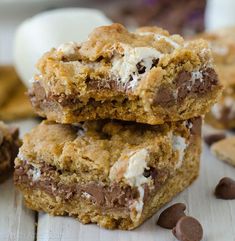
(188, 229)
(214, 137)
(170, 216)
(140, 67)
(225, 188)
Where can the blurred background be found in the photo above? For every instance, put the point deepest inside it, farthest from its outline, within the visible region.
(181, 16)
(24, 38)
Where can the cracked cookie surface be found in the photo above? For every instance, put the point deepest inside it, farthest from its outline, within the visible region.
(147, 76)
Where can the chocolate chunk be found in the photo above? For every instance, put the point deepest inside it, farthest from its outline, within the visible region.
(182, 82)
(182, 78)
(147, 173)
(154, 63)
(164, 97)
(170, 216)
(185, 84)
(209, 78)
(140, 67)
(188, 229)
(225, 188)
(196, 126)
(150, 172)
(214, 137)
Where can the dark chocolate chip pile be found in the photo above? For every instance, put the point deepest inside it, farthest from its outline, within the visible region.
(215, 137)
(188, 229)
(225, 188)
(170, 216)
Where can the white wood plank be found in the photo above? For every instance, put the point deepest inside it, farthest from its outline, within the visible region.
(215, 215)
(17, 223)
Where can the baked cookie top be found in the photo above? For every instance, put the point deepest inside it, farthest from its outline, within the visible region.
(112, 53)
(98, 150)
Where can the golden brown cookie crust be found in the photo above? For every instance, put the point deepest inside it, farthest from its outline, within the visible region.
(62, 166)
(146, 76)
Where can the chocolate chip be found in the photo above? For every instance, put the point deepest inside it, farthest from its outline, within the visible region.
(154, 63)
(209, 78)
(170, 216)
(214, 137)
(225, 188)
(147, 173)
(182, 78)
(150, 172)
(182, 81)
(140, 67)
(188, 229)
(164, 97)
(196, 126)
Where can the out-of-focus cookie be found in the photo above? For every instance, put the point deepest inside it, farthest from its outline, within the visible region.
(225, 150)
(9, 145)
(222, 43)
(8, 83)
(18, 106)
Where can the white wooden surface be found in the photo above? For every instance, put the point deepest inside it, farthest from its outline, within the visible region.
(216, 216)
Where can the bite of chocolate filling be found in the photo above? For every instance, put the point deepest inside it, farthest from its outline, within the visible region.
(164, 97)
(185, 85)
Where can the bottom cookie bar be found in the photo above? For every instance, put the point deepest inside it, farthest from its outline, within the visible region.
(9, 145)
(111, 173)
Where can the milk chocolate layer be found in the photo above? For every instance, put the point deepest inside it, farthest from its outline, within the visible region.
(108, 196)
(184, 86)
(164, 97)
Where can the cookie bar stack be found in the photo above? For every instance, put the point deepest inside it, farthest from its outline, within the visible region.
(122, 135)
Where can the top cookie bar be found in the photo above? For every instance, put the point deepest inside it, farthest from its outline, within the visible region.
(147, 76)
